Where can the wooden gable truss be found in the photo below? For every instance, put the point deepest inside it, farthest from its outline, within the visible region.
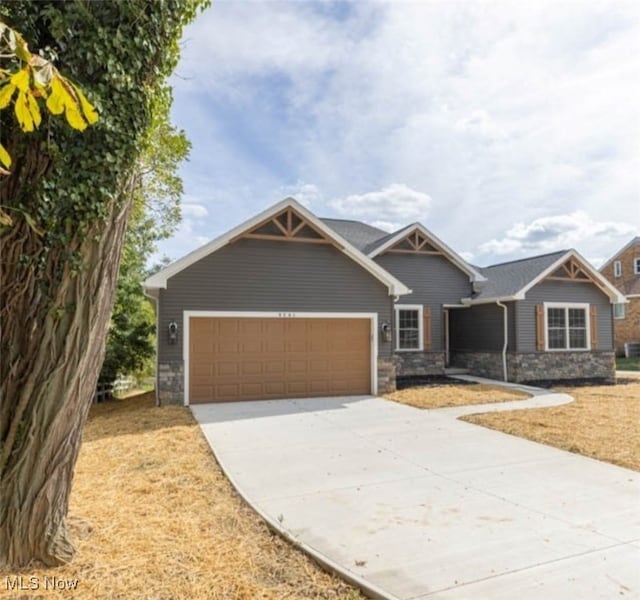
(414, 243)
(571, 270)
(287, 226)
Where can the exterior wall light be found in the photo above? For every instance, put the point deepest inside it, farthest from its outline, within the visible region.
(385, 331)
(173, 332)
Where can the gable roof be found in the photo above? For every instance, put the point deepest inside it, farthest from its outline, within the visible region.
(512, 280)
(392, 239)
(361, 235)
(634, 242)
(395, 286)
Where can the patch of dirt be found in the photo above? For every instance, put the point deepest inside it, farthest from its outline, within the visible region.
(442, 395)
(153, 517)
(603, 422)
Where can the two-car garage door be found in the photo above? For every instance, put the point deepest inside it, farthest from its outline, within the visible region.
(255, 358)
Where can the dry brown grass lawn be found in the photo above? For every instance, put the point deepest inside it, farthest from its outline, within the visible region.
(603, 423)
(455, 394)
(153, 517)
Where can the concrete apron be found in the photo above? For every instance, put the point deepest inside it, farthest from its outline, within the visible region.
(409, 503)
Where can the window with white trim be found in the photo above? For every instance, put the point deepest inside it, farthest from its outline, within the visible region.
(567, 326)
(408, 327)
(636, 265)
(617, 268)
(618, 311)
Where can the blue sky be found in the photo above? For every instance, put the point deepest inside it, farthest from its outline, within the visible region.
(507, 128)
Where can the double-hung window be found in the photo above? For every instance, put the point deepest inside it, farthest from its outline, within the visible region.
(636, 265)
(617, 268)
(409, 327)
(567, 326)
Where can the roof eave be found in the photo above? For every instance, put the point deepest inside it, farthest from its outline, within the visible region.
(493, 300)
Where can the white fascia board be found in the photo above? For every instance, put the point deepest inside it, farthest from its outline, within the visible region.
(473, 301)
(453, 256)
(615, 296)
(159, 280)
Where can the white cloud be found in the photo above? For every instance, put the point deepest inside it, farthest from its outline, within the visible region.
(387, 225)
(555, 233)
(194, 210)
(468, 256)
(307, 194)
(504, 111)
(394, 202)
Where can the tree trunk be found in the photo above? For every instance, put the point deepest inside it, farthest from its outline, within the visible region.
(52, 346)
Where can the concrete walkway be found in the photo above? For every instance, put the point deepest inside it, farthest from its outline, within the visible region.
(413, 504)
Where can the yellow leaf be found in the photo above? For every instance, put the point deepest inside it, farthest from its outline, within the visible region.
(5, 219)
(55, 101)
(87, 108)
(21, 79)
(23, 113)
(5, 94)
(34, 109)
(74, 118)
(5, 158)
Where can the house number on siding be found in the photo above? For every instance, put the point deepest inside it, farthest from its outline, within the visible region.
(287, 315)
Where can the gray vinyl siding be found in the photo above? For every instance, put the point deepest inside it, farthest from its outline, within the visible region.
(434, 280)
(481, 328)
(562, 291)
(262, 275)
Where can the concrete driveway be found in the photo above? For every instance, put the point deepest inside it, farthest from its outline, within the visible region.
(417, 504)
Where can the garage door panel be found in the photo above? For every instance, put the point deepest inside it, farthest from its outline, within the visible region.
(239, 358)
(274, 346)
(253, 367)
(275, 389)
(229, 391)
(226, 368)
(319, 388)
(251, 390)
(274, 367)
(319, 365)
(295, 367)
(297, 388)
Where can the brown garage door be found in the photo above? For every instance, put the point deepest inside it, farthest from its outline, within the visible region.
(244, 358)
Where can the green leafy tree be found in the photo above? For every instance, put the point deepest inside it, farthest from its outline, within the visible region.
(69, 195)
(155, 214)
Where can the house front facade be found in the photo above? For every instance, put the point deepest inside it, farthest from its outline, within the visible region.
(289, 305)
(623, 271)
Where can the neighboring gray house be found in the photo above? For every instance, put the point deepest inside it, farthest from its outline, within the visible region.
(290, 305)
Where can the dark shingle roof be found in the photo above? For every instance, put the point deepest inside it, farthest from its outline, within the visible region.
(507, 279)
(356, 233)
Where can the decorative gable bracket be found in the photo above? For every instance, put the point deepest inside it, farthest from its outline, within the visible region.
(287, 226)
(414, 243)
(571, 270)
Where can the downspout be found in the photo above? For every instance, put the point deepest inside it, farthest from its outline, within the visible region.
(505, 337)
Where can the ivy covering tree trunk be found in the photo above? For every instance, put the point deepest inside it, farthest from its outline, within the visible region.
(69, 195)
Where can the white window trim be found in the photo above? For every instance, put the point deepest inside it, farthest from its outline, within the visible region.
(624, 311)
(567, 305)
(617, 268)
(419, 308)
(636, 265)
